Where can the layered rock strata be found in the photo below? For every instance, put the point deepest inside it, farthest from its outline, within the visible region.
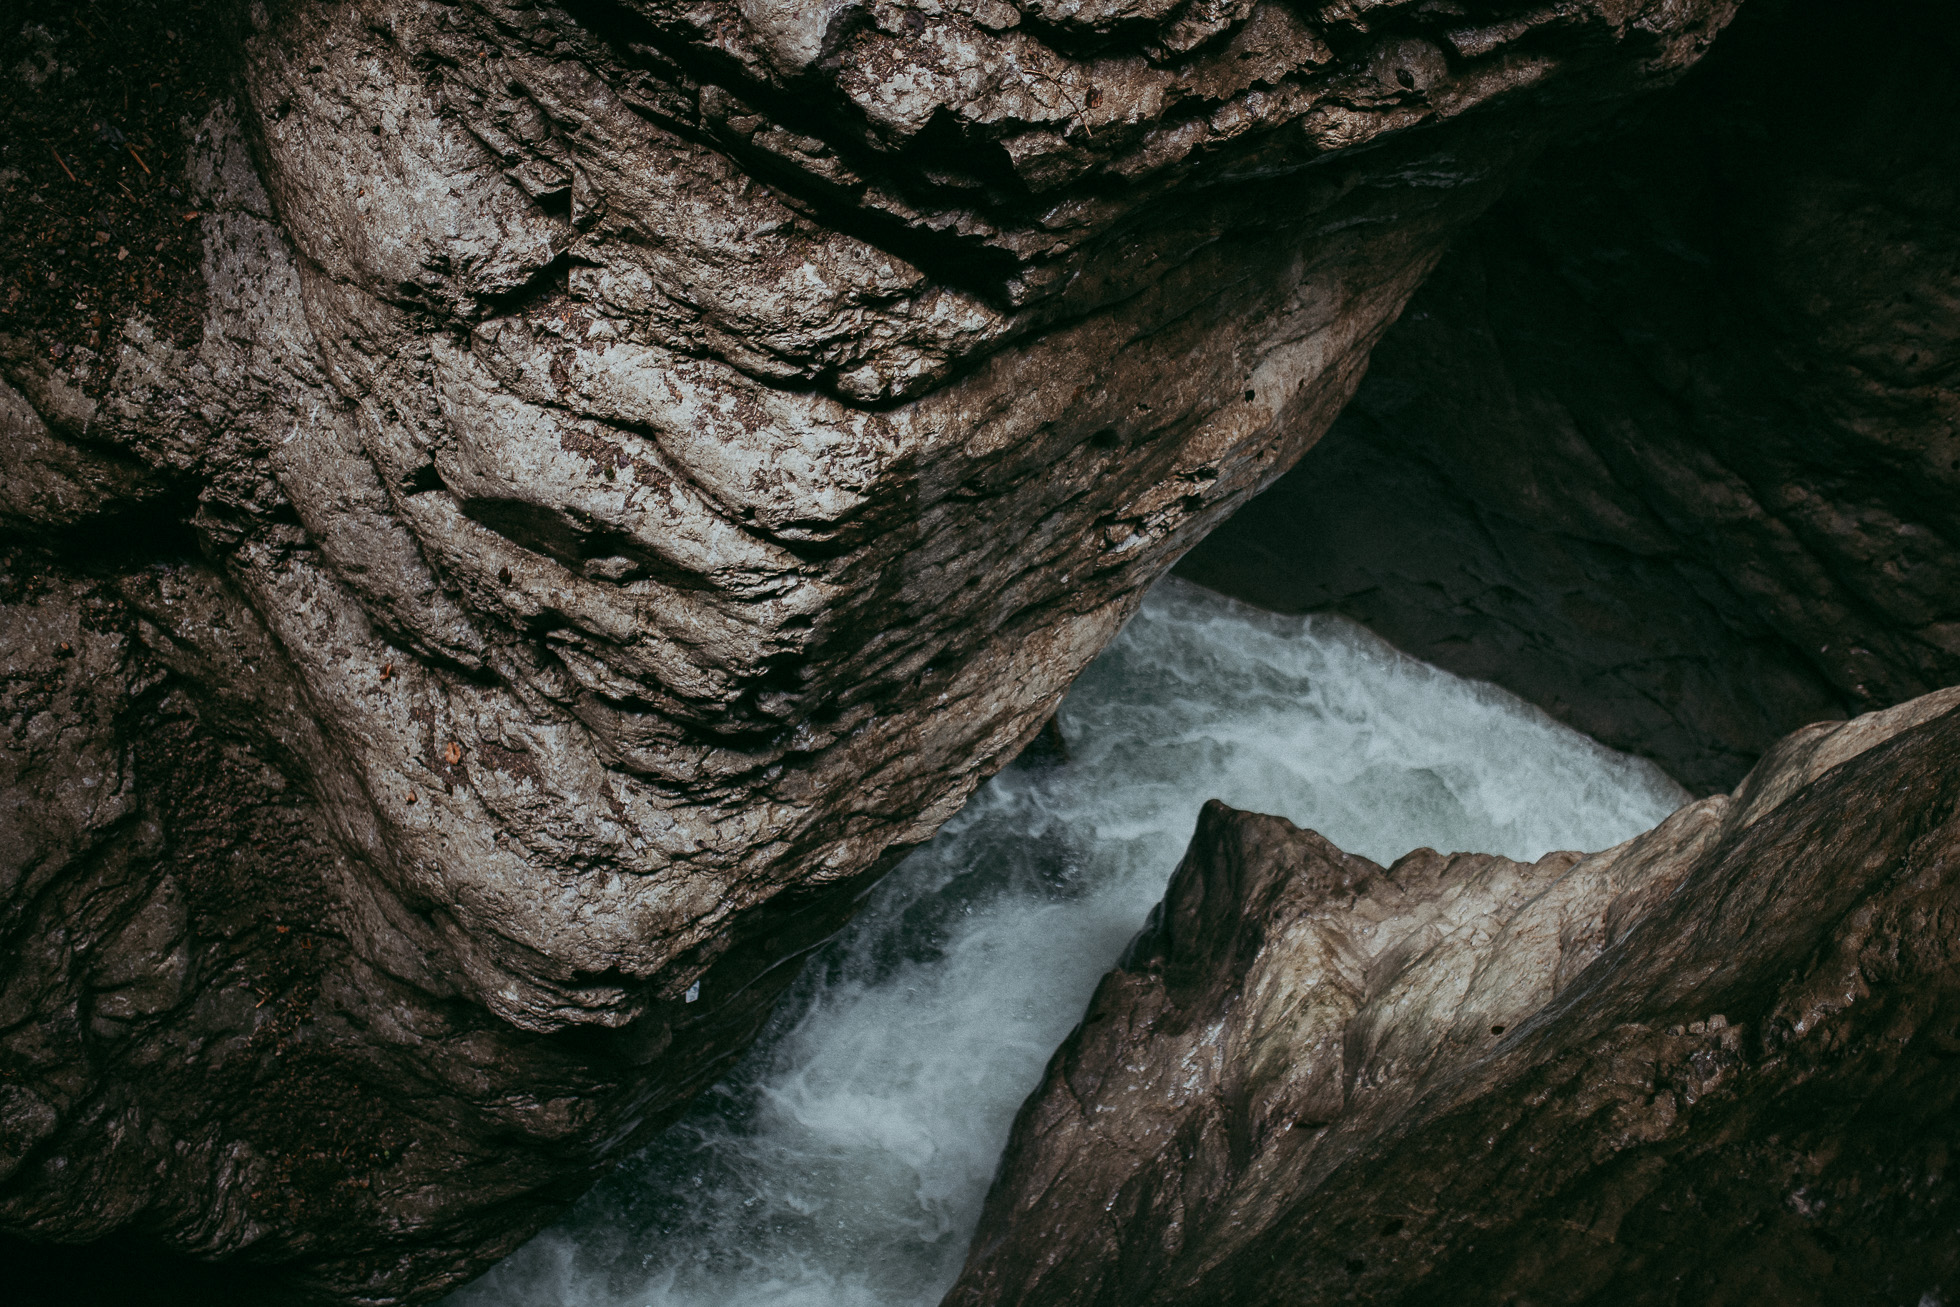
(1670, 445)
(603, 480)
(1714, 1064)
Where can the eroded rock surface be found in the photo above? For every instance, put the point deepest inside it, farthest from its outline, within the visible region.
(1713, 1064)
(643, 464)
(1669, 443)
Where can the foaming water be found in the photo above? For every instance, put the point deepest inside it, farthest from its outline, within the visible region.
(844, 1163)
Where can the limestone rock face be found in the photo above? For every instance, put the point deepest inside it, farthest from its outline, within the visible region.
(1711, 1065)
(619, 474)
(1667, 445)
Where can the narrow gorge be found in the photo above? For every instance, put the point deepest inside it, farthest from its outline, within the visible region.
(521, 520)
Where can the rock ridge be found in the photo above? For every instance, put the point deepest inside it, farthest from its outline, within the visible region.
(1708, 1065)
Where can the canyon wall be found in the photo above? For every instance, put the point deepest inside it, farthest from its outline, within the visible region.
(516, 513)
(1713, 1065)
(1670, 445)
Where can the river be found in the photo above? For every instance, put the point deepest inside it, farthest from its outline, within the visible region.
(844, 1162)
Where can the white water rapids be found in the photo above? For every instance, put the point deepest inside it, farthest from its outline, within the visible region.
(843, 1164)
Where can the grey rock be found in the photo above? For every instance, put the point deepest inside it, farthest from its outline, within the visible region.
(47, 482)
(643, 464)
(1710, 1065)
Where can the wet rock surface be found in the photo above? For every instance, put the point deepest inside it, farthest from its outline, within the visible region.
(1711, 1065)
(612, 478)
(1667, 445)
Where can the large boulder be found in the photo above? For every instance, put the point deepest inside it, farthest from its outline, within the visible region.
(1714, 1064)
(582, 488)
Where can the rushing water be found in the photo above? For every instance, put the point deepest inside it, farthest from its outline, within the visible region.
(843, 1164)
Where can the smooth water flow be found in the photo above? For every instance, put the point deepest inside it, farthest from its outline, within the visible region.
(844, 1163)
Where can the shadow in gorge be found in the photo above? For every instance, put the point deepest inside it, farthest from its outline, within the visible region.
(1667, 445)
(116, 1273)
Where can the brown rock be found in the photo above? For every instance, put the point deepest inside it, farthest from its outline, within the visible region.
(1711, 1065)
(730, 427)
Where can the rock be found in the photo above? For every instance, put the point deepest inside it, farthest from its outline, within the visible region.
(1713, 1064)
(192, 1041)
(47, 483)
(625, 473)
(1666, 446)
